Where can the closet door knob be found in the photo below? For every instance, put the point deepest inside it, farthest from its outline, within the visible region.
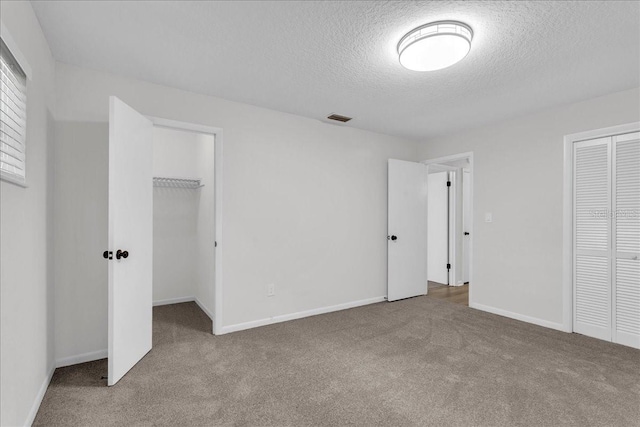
(392, 237)
(107, 255)
(121, 254)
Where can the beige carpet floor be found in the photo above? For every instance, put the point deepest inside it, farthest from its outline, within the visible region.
(414, 362)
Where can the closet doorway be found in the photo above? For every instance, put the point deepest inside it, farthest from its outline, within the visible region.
(602, 234)
(183, 218)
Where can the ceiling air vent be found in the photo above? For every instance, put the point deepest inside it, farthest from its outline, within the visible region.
(339, 118)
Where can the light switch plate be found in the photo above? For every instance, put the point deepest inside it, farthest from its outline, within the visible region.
(488, 217)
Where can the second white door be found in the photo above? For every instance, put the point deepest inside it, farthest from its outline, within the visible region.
(407, 229)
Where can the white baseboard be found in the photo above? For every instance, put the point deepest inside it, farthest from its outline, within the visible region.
(205, 309)
(38, 400)
(299, 315)
(173, 301)
(81, 358)
(521, 317)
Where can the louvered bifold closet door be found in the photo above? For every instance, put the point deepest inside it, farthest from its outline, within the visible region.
(592, 238)
(626, 223)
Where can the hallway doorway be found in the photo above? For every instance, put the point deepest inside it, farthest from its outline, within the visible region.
(454, 294)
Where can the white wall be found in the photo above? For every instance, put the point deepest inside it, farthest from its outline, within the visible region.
(206, 224)
(80, 272)
(26, 316)
(175, 216)
(437, 234)
(304, 202)
(175, 153)
(518, 175)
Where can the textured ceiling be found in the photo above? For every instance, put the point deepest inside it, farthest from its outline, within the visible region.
(315, 58)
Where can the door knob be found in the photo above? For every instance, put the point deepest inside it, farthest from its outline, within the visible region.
(107, 255)
(466, 233)
(121, 254)
(392, 237)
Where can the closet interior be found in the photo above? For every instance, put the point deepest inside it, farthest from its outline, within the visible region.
(183, 218)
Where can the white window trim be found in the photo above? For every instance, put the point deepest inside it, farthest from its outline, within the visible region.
(6, 177)
(26, 68)
(15, 50)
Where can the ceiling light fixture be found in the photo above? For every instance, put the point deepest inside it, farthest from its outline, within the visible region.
(435, 46)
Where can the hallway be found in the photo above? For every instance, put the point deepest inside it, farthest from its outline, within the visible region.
(454, 294)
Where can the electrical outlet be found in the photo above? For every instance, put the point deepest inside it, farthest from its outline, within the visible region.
(271, 290)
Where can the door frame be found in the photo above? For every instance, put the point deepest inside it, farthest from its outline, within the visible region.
(453, 275)
(466, 219)
(567, 211)
(218, 152)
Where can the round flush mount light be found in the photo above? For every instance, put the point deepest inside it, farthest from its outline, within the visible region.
(435, 46)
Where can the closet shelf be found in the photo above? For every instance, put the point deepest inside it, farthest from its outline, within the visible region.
(177, 182)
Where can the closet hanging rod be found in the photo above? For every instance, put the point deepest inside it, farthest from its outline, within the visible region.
(189, 183)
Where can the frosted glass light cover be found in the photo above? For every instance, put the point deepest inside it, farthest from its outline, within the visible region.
(435, 46)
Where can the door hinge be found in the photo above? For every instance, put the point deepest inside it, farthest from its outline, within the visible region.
(448, 183)
(448, 266)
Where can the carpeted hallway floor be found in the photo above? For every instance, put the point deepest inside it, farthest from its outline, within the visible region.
(414, 362)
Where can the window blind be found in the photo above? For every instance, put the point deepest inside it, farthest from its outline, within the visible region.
(13, 117)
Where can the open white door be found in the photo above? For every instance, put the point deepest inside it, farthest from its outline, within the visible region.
(438, 228)
(407, 228)
(130, 237)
